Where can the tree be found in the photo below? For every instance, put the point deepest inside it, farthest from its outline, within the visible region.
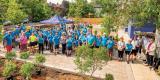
(138, 12)
(36, 9)
(14, 13)
(89, 60)
(65, 5)
(3, 9)
(80, 8)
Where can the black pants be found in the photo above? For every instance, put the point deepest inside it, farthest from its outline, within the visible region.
(41, 48)
(51, 47)
(46, 44)
(63, 48)
(157, 63)
(150, 60)
(120, 53)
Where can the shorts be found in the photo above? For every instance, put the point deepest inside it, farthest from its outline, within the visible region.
(110, 50)
(69, 48)
(9, 48)
(134, 52)
(32, 44)
(128, 52)
(56, 46)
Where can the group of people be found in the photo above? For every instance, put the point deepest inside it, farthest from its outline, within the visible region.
(55, 38)
(71, 37)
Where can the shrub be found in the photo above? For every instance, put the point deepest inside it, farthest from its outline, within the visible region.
(9, 69)
(40, 58)
(26, 70)
(24, 55)
(109, 77)
(90, 59)
(10, 56)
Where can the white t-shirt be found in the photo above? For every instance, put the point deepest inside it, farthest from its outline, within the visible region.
(134, 44)
(121, 45)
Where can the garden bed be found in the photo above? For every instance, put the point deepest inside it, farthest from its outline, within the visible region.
(47, 73)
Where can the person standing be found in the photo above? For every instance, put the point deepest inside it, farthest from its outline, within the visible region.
(98, 41)
(151, 47)
(8, 39)
(63, 42)
(23, 42)
(41, 43)
(56, 41)
(121, 47)
(128, 50)
(110, 45)
(50, 41)
(69, 46)
(104, 40)
(32, 40)
(134, 49)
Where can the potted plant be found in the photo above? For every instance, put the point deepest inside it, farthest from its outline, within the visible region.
(26, 70)
(24, 55)
(9, 69)
(10, 56)
(39, 60)
(109, 77)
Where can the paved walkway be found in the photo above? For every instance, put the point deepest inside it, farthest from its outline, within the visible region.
(120, 70)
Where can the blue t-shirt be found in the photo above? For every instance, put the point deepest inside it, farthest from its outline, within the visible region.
(98, 41)
(50, 38)
(84, 30)
(56, 40)
(104, 41)
(28, 33)
(91, 39)
(8, 38)
(17, 31)
(129, 47)
(40, 40)
(76, 42)
(110, 44)
(82, 38)
(69, 42)
(23, 28)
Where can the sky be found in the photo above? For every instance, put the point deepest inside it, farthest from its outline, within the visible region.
(60, 1)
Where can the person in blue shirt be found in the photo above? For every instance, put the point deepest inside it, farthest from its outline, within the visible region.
(76, 41)
(28, 34)
(82, 39)
(98, 41)
(91, 40)
(45, 36)
(128, 49)
(56, 41)
(110, 45)
(50, 41)
(23, 27)
(69, 46)
(8, 38)
(104, 40)
(84, 30)
(40, 43)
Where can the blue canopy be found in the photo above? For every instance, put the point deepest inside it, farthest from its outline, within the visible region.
(56, 20)
(148, 27)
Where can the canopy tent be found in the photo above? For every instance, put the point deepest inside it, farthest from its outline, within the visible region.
(148, 27)
(56, 20)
